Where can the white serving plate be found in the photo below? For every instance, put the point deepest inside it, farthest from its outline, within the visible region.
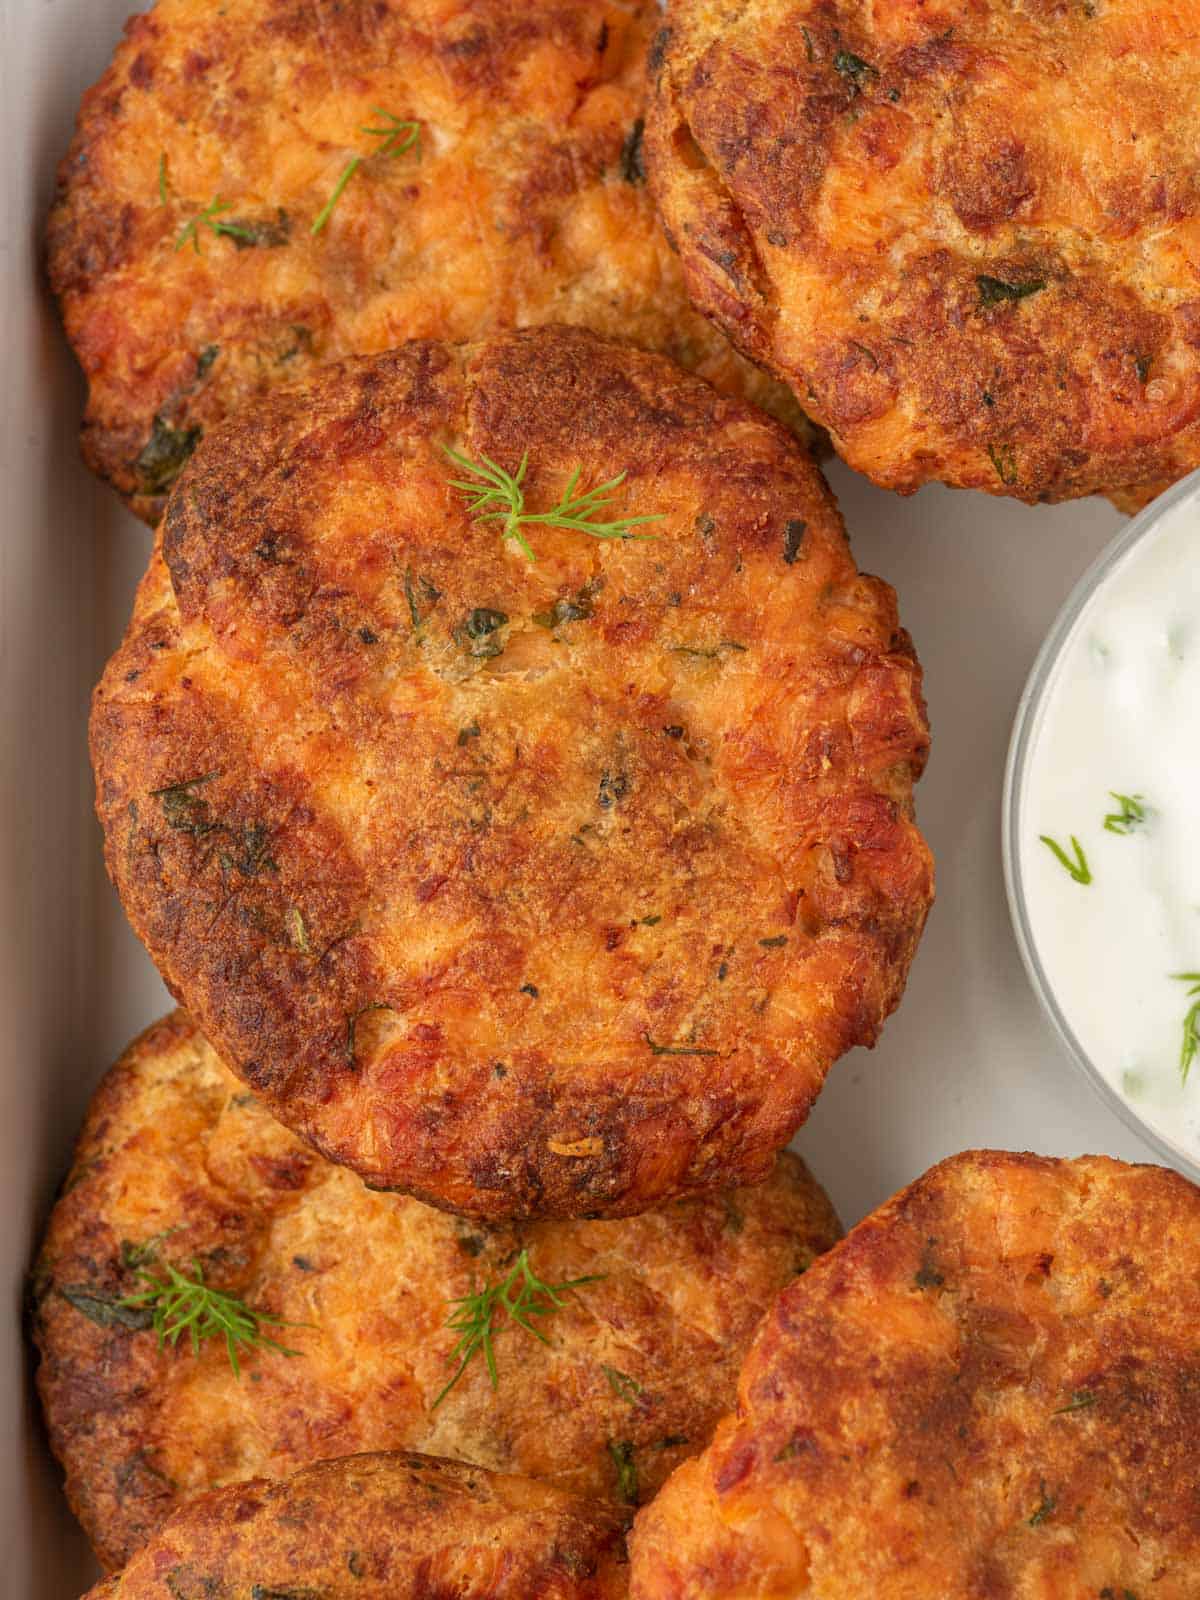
(968, 1061)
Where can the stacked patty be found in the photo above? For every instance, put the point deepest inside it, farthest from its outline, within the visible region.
(258, 188)
(179, 1166)
(382, 1527)
(964, 234)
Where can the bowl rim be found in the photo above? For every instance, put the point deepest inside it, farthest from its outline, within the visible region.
(1025, 723)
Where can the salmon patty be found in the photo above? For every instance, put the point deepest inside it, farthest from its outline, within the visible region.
(261, 187)
(967, 235)
(532, 887)
(381, 1527)
(990, 1388)
(178, 1164)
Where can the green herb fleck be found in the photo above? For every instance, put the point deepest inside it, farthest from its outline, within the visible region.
(1191, 1023)
(705, 654)
(1131, 815)
(564, 611)
(808, 44)
(495, 495)
(178, 1304)
(1081, 1400)
(163, 456)
(775, 943)
(398, 136)
(183, 809)
(252, 855)
(621, 1451)
(137, 1255)
(633, 167)
(105, 1310)
(205, 360)
(261, 233)
(1078, 869)
(522, 1296)
(1004, 458)
(429, 592)
(1045, 1510)
(208, 219)
(162, 178)
(994, 291)
(622, 1385)
(675, 1050)
(467, 733)
(297, 933)
(483, 620)
(855, 68)
(1141, 365)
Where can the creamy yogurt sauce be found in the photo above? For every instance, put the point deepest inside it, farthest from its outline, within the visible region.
(1118, 738)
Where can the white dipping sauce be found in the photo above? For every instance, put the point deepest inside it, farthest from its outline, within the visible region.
(1121, 712)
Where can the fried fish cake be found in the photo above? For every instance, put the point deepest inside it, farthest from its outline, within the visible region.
(381, 1527)
(967, 234)
(179, 1164)
(264, 186)
(991, 1388)
(532, 887)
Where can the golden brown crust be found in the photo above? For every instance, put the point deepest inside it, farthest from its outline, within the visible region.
(967, 235)
(381, 1527)
(563, 917)
(525, 202)
(639, 1367)
(989, 1390)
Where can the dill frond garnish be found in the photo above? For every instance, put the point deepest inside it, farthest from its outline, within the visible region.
(1191, 1023)
(397, 137)
(178, 1304)
(522, 1296)
(208, 219)
(1078, 869)
(1131, 815)
(494, 495)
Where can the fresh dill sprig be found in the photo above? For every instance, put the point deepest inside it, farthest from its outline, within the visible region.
(1078, 868)
(522, 1295)
(398, 137)
(494, 495)
(1191, 1023)
(179, 1305)
(162, 177)
(1131, 815)
(207, 219)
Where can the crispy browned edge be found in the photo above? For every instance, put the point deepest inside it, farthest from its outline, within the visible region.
(381, 1527)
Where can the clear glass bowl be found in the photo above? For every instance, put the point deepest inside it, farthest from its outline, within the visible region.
(1028, 719)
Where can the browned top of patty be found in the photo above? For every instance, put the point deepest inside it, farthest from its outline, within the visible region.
(967, 234)
(542, 887)
(989, 1391)
(381, 1527)
(178, 1164)
(522, 200)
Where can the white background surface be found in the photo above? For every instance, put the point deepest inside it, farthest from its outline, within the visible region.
(967, 1061)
